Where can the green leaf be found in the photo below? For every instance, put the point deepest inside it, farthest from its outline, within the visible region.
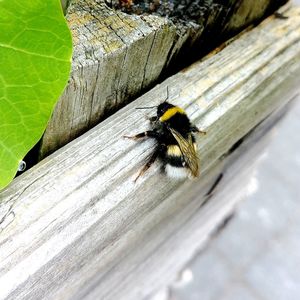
(35, 60)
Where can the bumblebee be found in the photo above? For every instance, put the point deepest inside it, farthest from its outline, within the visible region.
(176, 145)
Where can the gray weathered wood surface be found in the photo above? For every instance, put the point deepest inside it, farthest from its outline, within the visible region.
(77, 226)
(117, 55)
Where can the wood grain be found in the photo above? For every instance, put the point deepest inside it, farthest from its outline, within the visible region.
(117, 56)
(76, 226)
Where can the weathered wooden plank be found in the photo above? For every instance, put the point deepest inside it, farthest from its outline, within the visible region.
(77, 226)
(117, 55)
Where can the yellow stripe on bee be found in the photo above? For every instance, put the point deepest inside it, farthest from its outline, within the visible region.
(173, 150)
(170, 113)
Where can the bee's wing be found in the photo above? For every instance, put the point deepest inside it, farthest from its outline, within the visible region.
(188, 151)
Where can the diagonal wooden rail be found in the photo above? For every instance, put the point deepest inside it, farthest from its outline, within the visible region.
(77, 226)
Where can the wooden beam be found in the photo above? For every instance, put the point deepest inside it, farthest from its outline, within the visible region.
(117, 56)
(77, 226)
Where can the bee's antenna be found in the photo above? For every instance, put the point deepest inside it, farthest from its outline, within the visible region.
(145, 107)
(167, 95)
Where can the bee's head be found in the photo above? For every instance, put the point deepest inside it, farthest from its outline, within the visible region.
(163, 107)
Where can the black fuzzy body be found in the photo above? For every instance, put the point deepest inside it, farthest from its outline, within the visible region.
(181, 123)
(176, 147)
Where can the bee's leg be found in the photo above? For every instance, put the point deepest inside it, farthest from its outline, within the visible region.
(148, 164)
(197, 130)
(279, 15)
(149, 133)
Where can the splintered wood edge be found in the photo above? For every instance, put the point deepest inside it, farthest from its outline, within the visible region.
(77, 225)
